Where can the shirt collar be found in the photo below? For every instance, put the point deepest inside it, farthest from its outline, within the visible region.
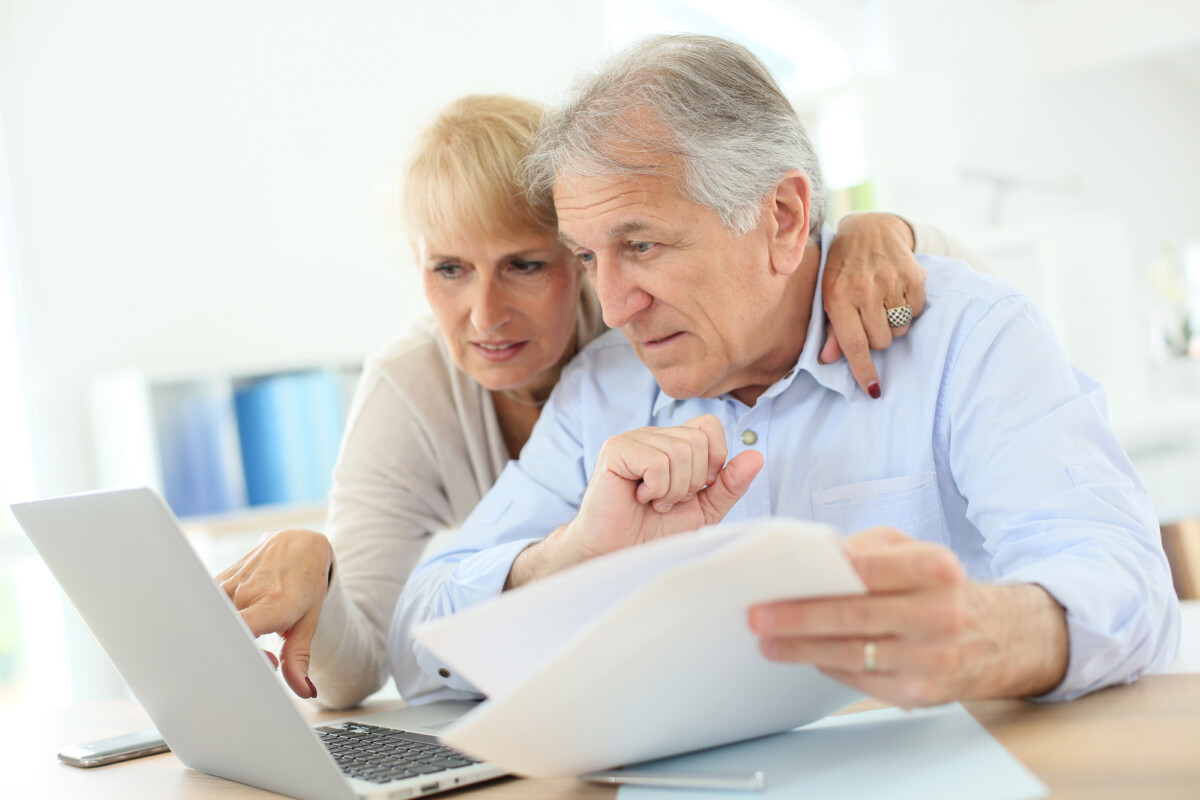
(836, 376)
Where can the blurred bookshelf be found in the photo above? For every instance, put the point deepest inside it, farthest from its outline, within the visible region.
(226, 451)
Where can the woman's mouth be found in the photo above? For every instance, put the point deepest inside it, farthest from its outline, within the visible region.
(499, 351)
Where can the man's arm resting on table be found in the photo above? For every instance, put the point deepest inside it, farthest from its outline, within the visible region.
(1024, 649)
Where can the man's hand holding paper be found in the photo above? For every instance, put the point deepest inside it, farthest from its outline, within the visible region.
(649, 483)
(932, 635)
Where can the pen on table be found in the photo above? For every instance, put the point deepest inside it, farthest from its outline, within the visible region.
(737, 781)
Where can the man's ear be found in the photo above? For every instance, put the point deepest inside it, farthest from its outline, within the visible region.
(788, 206)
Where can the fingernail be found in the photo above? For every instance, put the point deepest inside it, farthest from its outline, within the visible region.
(761, 619)
(664, 508)
(874, 390)
(311, 688)
(712, 478)
(274, 661)
(687, 497)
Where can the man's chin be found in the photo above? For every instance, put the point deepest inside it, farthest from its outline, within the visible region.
(678, 382)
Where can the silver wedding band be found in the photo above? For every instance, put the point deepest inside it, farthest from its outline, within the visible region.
(899, 316)
(869, 656)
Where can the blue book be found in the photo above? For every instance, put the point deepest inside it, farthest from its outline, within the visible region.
(195, 451)
(290, 429)
(326, 418)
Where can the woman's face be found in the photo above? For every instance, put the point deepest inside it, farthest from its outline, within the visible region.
(506, 307)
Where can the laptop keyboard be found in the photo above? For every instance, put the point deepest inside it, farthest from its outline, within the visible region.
(382, 755)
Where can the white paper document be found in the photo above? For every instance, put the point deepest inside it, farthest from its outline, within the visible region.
(887, 754)
(643, 653)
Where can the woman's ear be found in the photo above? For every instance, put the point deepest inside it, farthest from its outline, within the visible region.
(789, 222)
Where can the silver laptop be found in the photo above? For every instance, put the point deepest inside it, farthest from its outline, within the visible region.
(194, 666)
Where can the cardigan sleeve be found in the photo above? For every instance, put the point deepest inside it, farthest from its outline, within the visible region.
(390, 495)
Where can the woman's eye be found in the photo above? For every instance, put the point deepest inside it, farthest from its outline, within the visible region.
(587, 259)
(448, 269)
(527, 267)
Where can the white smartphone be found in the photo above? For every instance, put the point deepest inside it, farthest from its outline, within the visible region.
(110, 751)
(748, 781)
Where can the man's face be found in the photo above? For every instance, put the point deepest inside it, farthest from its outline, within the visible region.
(692, 297)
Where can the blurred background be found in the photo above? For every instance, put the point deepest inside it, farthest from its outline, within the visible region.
(191, 218)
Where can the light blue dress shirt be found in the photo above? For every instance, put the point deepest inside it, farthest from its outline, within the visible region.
(986, 441)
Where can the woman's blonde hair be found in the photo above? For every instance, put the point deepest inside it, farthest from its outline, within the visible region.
(462, 175)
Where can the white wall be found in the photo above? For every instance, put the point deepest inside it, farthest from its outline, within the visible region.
(1093, 138)
(194, 184)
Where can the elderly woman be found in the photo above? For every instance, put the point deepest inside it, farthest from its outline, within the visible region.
(440, 411)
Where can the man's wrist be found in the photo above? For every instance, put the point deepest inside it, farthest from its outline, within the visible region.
(1035, 651)
(537, 561)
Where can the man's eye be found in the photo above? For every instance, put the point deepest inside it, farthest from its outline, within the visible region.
(642, 247)
(526, 267)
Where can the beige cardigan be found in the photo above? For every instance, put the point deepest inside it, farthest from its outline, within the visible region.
(422, 447)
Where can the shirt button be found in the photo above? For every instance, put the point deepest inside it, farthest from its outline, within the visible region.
(749, 437)
(445, 673)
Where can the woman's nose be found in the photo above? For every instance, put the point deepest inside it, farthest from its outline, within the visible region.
(490, 308)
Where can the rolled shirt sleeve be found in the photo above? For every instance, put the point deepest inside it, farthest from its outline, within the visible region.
(1045, 479)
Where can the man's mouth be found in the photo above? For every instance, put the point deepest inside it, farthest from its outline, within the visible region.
(661, 341)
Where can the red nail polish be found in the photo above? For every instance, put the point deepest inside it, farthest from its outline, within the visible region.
(312, 688)
(874, 391)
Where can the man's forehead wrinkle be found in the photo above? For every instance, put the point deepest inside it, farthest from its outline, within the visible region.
(618, 190)
(623, 201)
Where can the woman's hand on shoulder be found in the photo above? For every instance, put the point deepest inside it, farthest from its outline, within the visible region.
(279, 587)
(870, 269)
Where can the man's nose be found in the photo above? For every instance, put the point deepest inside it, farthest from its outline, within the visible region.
(489, 307)
(620, 296)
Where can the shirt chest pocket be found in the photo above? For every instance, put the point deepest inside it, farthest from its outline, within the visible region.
(909, 503)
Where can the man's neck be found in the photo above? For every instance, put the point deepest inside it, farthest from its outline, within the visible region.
(787, 328)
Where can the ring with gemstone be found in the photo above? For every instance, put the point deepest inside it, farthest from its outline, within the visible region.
(899, 316)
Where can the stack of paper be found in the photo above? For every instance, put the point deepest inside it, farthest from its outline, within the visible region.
(644, 653)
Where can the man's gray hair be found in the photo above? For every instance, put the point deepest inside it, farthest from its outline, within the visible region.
(697, 102)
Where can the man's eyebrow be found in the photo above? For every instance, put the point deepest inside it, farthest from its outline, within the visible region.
(615, 232)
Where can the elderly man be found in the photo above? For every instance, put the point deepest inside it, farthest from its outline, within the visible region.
(1008, 548)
